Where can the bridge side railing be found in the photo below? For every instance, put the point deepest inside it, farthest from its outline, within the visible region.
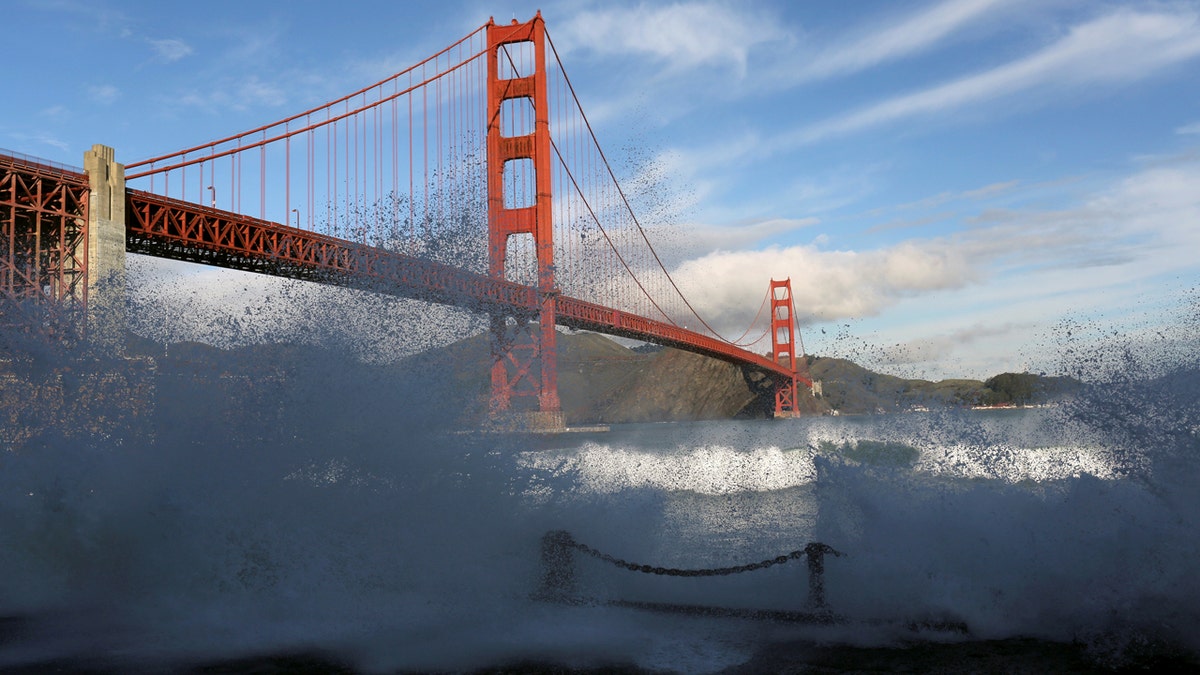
(44, 166)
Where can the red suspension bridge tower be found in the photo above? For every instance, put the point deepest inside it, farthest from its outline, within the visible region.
(532, 360)
(783, 347)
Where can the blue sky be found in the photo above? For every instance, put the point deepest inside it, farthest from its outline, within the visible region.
(946, 182)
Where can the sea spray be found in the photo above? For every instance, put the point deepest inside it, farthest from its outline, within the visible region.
(288, 499)
(1075, 526)
(329, 509)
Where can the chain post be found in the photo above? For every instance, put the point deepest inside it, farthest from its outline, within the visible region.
(558, 567)
(815, 553)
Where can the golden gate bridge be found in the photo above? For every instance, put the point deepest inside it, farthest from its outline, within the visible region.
(472, 178)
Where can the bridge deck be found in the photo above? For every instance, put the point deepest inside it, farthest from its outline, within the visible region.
(171, 228)
(180, 230)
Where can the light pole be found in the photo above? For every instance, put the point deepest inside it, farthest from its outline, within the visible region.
(213, 190)
(297, 212)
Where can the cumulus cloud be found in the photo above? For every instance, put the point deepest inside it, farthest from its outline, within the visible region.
(1028, 263)
(1130, 235)
(725, 286)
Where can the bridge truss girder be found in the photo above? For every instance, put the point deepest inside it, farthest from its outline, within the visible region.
(171, 228)
(43, 248)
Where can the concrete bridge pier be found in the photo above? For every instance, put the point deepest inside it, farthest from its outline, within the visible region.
(106, 321)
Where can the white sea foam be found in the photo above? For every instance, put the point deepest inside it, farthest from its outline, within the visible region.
(721, 470)
(709, 470)
(1017, 464)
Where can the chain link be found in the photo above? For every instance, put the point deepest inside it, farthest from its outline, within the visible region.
(673, 572)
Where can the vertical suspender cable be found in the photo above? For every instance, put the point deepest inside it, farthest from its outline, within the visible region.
(262, 179)
(287, 179)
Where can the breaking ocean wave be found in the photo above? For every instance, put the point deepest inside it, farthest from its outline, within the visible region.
(333, 512)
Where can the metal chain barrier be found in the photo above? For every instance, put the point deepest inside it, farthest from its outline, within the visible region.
(673, 572)
(558, 584)
(558, 573)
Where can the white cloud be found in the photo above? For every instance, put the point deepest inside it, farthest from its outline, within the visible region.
(1188, 129)
(103, 94)
(690, 241)
(908, 36)
(1015, 273)
(709, 173)
(41, 138)
(682, 35)
(703, 34)
(984, 192)
(1120, 47)
(244, 94)
(253, 91)
(1130, 243)
(725, 286)
(940, 347)
(170, 49)
(1144, 224)
(758, 49)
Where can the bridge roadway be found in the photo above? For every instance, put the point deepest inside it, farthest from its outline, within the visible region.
(170, 228)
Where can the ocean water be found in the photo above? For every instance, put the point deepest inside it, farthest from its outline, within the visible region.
(332, 512)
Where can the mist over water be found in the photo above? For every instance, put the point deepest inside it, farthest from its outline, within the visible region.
(332, 509)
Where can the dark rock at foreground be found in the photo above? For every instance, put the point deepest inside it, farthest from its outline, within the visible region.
(1013, 655)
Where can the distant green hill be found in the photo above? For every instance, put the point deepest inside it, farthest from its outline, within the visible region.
(312, 398)
(602, 381)
(851, 389)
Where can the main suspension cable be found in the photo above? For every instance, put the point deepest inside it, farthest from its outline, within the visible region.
(624, 199)
(579, 191)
